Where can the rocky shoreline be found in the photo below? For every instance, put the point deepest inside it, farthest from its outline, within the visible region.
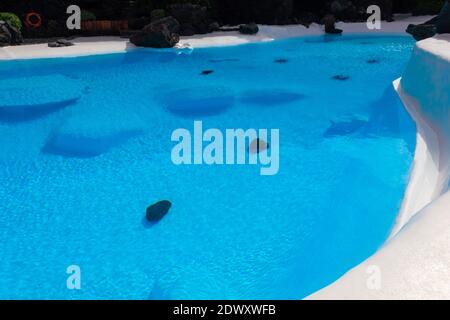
(162, 27)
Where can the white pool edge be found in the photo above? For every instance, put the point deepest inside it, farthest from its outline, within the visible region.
(425, 181)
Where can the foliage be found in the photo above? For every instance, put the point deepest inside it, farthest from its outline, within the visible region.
(425, 7)
(157, 14)
(12, 19)
(87, 15)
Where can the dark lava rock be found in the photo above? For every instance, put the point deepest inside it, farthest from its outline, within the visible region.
(187, 30)
(341, 77)
(55, 45)
(9, 35)
(5, 35)
(439, 24)
(421, 31)
(162, 33)
(443, 20)
(65, 43)
(60, 43)
(214, 26)
(194, 19)
(158, 210)
(329, 22)
(251, 28)
(206, 72)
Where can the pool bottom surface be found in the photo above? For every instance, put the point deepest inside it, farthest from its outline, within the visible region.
(77, 177)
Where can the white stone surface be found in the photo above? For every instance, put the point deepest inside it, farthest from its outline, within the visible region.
(425, 91)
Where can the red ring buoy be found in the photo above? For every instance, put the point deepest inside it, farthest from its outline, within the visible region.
(33, 20)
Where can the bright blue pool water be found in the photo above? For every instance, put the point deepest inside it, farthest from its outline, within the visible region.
(85, 148)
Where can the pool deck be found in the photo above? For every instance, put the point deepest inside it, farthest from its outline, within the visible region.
(103, 45)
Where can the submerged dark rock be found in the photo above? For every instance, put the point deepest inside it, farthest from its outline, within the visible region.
(258, 145)
(340, 77)
(162, 33)
(281, 60)
(157, 211)
(206, 72)
(250, 29)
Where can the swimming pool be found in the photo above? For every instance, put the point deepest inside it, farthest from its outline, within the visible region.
(86, 147)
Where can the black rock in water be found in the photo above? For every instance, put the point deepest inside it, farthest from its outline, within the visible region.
(258, 145)
(341, 77)
(158, 210)
(206, 72)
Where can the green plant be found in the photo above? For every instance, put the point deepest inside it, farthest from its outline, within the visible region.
(157, 14)
(12, 19)
(87, 15)
(425, 7)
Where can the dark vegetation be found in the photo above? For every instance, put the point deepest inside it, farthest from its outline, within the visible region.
(138, 13)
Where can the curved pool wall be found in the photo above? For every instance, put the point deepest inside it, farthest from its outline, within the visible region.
(414, 263)
(287, 244)
(425, 91)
